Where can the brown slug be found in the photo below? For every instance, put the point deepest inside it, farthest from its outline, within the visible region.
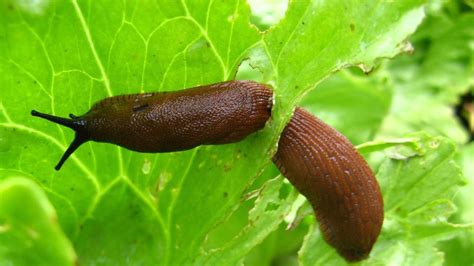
(320, 162)
(325, 167)
(219, 113)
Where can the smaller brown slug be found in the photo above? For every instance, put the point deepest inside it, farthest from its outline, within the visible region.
(219, 113)
(325, 167)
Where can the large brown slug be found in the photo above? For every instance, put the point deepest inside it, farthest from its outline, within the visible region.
(320, 162)
(219, 113)
(324, 166)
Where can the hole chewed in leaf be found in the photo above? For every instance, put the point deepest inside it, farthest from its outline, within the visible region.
(267, 13)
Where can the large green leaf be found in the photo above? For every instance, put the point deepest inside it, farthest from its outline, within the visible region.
(317, 38)
(29, 230)
(463, 244)
(120, 207)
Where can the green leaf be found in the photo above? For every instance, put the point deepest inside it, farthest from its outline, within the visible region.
(428, 84)
(466, 195)
(29, 231)
(449, 60)
(118, 206)
(379, 145)
(463, 244)
(273, 201)
(435, 170)
(354, 105)
(317, 38)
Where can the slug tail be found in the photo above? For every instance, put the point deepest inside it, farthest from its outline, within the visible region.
(78, 140)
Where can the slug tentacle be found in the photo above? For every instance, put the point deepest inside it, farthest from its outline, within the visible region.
(76, 142)
(76, 124)
(73, 123)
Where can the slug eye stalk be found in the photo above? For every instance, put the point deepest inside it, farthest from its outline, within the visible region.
(75, 124)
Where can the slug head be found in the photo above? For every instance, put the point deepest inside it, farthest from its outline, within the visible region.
(75, 123)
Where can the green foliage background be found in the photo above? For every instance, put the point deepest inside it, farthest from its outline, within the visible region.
(225, 205)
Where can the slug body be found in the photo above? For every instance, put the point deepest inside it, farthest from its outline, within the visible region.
(325, 167)
(173, 121)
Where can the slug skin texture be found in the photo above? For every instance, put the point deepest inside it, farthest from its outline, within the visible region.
(220, 113)
(325, 167)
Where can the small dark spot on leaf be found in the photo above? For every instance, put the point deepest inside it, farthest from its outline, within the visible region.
(227, 167)
(35, 82)
(208, 44)
(352, 26)
(284, 192)
(25, 147)
(271, 207)
(302, 22)
(135, 212)
(10, 7)
(226, 194)
(297, 87)
(18, 82)
(72, 188)
(154, 55)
